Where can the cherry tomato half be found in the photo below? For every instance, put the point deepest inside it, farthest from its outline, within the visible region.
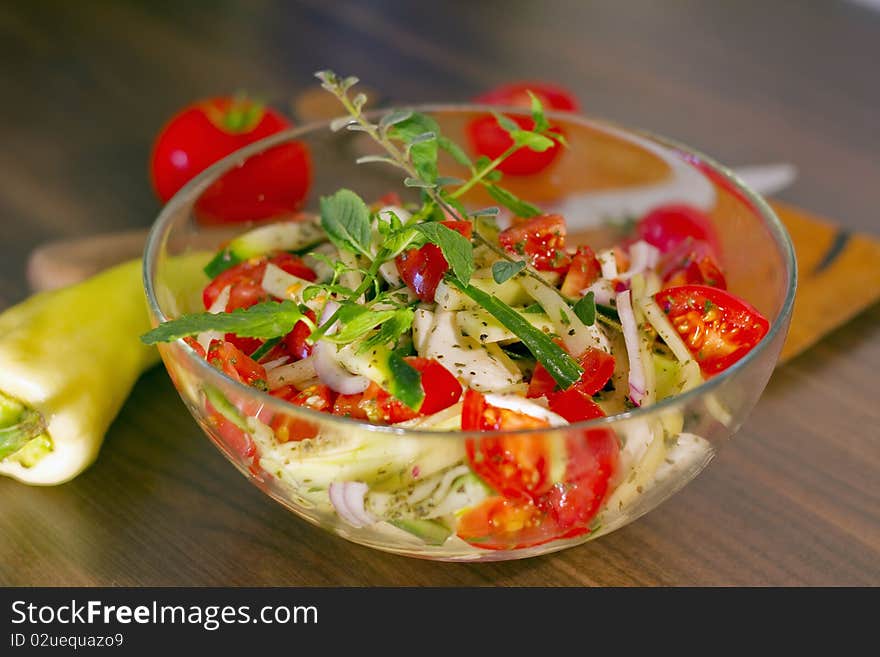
(423, 268)
(598, 367)
(582, 273)
(717, 327)
(489, 139)
(441, 388)
(668, 226)
(287, 428)
(228, 358)
(691, 262)
(531, 509)
(272, 183)
(542, 239)
(245, 290)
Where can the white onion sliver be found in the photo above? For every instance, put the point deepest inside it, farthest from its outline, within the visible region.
(664, 329)
(637, 382)
(332, 374)
(218, 306)
(608, 263)
(348, 499)
(603, 291)
(275, 364)
(525, 406)
(643, 256)
(296, 374)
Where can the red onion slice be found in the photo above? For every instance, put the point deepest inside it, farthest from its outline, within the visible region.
(347, 498)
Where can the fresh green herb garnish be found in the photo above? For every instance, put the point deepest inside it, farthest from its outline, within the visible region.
(585, 309)
(504, 270)
(265, 320)
(562, 367)
(456, 248)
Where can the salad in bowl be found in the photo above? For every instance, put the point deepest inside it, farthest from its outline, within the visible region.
(446, 368)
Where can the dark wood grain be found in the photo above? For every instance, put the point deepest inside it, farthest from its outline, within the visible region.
(792, 500)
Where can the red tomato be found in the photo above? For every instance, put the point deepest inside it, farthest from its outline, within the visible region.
(295, 341)
(499, 523)
(542, 239)
(231, 436)
(441, 388)
(533, 509)
(592, 462)
(488, 138)
(422, 269)
(582, 273)
(669, 225)
(574, 405)
(598, 367)
(272, 183)
(515, 466)
(717, 327)
(233, 362)
(318, 397)
(691, 262)
(245, 280)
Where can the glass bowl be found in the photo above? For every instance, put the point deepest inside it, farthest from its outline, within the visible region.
(387, 480)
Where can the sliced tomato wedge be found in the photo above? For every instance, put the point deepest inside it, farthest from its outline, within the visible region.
(542, 239)
(499, 523)
(582, 273)
(442, 390)
(592, 462)
(717, 327)
(422, 269)
(287, 428)
(691, 262)
(515, 466)
(228, 358)
(244, 280)
(532, 509)
(598, 367)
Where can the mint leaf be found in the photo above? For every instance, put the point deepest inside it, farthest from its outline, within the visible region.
(454, 150)
(456, 248)
(391, 330)
(562, 367)
(531, 140)
(481, 163)
(504, 270)
(538, 113)
(405, 381)
(506, 123)
(346, 220)
(585, 309)
(394, 117)
(360, 325)
(507, 199)
(264, 320)
(419, 132)
(397, 242)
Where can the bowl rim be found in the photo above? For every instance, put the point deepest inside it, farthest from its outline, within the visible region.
(158, 234)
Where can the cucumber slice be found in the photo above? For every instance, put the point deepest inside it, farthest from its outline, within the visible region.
(282, 236)
(430, 531)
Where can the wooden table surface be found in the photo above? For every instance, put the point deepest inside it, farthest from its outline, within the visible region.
(794, 499)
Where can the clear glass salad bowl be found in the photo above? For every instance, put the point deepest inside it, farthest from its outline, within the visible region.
(606, 178)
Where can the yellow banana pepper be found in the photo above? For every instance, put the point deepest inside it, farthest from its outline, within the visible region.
(68, 360)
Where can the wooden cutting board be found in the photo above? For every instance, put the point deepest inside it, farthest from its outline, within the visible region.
(839, 271)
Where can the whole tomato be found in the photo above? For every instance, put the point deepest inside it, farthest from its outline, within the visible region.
(272, 183)
(489, 139)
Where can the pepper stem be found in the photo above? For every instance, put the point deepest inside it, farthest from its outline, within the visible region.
(19, 424)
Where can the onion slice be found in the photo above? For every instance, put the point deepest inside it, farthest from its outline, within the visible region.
(638, 385)
(347, 498)
(643, 256)
(205, 338)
